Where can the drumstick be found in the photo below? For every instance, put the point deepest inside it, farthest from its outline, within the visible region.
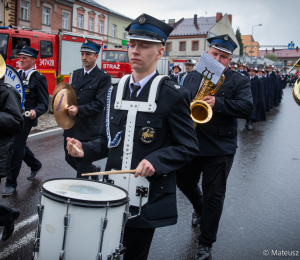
(108, 173)
(76, 148)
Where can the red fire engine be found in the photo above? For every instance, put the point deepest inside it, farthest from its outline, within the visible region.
(58, 52)
(116, 63)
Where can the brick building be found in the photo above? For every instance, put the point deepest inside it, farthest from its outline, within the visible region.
(250, 45)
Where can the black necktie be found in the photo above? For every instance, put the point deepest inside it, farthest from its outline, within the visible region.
(23, 75)
(135, 89)
(85, 74)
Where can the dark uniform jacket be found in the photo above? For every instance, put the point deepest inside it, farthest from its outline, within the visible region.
(245, 73)
(174, 145)
(265, 83)
(218, 137)
(11, 123)
(174, 78)
(91, 92)
(259, 105)
(273, 88)
(36, 97)
(180, 76)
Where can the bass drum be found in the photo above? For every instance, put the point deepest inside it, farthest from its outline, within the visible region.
(13, 78)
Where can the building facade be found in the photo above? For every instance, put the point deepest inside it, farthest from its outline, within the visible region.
(251, 47)
(116, 30)
(189, 37)
(8, 12)
(47, 15)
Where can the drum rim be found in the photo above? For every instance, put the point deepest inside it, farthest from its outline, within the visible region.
(84, 203)
(23, 87)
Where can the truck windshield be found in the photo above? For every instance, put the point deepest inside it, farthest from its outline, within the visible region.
(115, 56)
(3, 43)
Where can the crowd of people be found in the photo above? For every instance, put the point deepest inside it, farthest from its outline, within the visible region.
(177, 152)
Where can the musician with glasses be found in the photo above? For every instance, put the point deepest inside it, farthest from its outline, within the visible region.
(149, 128)
(217, 141)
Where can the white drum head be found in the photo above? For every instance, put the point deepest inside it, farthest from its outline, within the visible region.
(84, 190)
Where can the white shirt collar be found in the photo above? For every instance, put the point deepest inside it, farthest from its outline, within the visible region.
(141, 83)
(88, 72)
(27, 71)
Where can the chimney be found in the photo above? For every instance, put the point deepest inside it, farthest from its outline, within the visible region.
(297, 49)
(273, 50)
(230, 18)
(171, 21)
(196, 22)
(218, 17)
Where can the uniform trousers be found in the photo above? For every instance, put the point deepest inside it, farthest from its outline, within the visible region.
(6, 215)
(21, 153)
(215, 170)
(78, 166)
(137, 242)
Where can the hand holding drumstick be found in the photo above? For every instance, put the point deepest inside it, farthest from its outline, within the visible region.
(74, 147)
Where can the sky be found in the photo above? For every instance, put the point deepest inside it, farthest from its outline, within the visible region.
(279, 19)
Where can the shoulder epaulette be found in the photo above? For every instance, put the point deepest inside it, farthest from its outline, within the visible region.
(173, 85)
(238, 73)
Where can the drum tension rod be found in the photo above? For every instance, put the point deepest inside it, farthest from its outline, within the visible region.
(103, 227)
(66, 224)
(36, 245)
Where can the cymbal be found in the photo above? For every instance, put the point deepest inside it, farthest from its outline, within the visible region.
(63, 99)
(2, 67)
(59, 87)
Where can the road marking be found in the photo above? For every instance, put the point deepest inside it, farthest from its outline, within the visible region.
(45, 132)
(25, 222)
(11, 249)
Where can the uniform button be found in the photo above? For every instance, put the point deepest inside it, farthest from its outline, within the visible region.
(229, 132)
(81, 90)
(111, 118)
(148, 122)
(78, 98)
(161, 188)
(90, 86)
(222, 93)
(121, 157)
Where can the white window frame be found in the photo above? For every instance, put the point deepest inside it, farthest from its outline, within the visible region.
(114, 30)
(124, 33)
(101, 26)
(81, 27)
(65, 21)
(24, 9)
(45, 15)
(91, 23)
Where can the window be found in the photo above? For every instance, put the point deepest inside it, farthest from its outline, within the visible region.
(124, 33)
(24, 10)
(17, 45)
(65, 21)
(46, 15)
(91, 24)
(182, 46)
(101, 25)
(168, 46)
(80, 21)
(114, 30)
(46, 49)
(115, 56)
(195, 45)
(3, 43)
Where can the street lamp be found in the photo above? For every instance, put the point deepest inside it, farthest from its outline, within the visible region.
(6, 7)
(252, 41)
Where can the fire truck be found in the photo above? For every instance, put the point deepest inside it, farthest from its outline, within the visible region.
(58, 52)
(116, 62)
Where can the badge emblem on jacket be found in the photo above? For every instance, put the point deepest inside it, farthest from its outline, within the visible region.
(147, 135)
(27, 90)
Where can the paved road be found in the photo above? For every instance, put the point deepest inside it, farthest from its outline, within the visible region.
(262, 206)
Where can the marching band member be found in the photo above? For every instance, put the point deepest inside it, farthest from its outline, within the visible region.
(189, 66)
(217, 144)
(176, 69)
(162, 140)
(90, 84)
(36, 102)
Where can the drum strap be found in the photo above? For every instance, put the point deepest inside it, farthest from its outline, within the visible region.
(128, 181)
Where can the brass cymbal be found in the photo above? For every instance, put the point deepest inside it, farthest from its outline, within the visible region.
(59, 87)
(63, 99)
(2, 67)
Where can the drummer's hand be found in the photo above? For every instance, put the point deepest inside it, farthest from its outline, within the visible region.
(71, 150)
(32, 114)
(209, 100)
(144, 169)
(72, 110)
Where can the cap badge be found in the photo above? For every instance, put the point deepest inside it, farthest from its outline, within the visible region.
(142, 20)
(86, 41)
(226, 38)
(147, 134)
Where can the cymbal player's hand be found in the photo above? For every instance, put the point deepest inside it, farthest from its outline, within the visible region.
(71, 150)
(32, 114)
(144, 169)
(72, 110)
(210, 100)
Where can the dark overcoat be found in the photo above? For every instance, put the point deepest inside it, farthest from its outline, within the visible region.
(260, 113)
(36, 97)
(218, 137)
(91, 92)
(174, 146)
